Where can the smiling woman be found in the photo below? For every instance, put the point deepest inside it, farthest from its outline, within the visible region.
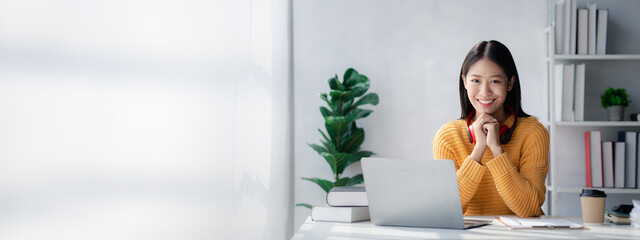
(500, 151)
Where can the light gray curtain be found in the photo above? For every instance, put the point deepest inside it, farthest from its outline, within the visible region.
(145, 119)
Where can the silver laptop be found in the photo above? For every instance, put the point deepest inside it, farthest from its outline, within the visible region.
(414, 193)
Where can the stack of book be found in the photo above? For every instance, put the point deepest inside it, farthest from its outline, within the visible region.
(611, 164)
(619, 214)
(580, 30)
(344, 204)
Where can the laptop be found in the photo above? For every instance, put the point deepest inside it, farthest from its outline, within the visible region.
(414, 193)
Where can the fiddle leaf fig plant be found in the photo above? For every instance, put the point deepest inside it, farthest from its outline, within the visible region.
(341, 142)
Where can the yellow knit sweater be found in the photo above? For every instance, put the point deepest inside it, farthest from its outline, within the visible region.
(512, 183)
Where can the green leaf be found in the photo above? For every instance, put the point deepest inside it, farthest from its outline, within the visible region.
(353, 141)
(352, 77)
(346, 106)
(323, 96)
(371, 98)
(357, 179)
(327, 143)
(337, 162)
(346, 181)
(326, 185)
(356, 157)
(339, 99)
(337, 126)
(349, 76)
(304, 205)
(359, 113)
(335, 84)
(318, 148)
(359, 89)
(326, 112)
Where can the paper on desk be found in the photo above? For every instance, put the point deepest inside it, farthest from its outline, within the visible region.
(535, 222)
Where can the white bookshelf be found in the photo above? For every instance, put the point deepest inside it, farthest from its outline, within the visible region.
(567, 129)
(614, 57)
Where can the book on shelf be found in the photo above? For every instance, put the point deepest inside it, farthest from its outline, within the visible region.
(631, 146)
(566, 29)
(558, 79)
(583, 31)
(601, 31)
(578, 105)
(568, 79)
(347, 196)
(593, 158)
(572, 12)
(591, 42)
(339, 214)
(559, 26)
(580, 31)
(607, 164)
(619, 153)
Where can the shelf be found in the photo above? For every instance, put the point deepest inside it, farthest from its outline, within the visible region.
(599, 57)
(606, 190)
(599, 124)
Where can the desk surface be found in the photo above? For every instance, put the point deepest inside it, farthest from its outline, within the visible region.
(367, 230)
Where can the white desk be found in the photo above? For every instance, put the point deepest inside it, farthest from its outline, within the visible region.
(366, 230)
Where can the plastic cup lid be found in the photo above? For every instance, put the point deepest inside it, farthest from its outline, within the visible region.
(592, 193)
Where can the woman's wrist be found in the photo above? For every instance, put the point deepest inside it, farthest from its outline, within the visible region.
(478, 151)
(496, 150)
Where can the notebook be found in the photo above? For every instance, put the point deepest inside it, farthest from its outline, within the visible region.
(414, 193)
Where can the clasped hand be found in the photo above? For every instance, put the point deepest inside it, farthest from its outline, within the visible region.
(486, 129)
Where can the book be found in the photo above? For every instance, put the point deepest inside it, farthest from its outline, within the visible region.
(339, 214)
(515, 223)
(591, 42)
(587, 159)
(601, 31)
(617, 218)
(607, 164)
(619, 153)
(583, 31)
(631, 140)
(559, 26)
(578, 105)
(593, 158)
(570, 31)
(559, 73)
(347, 196)
(566, 29)
(567, 92)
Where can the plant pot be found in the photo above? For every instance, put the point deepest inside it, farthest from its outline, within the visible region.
(616, 113)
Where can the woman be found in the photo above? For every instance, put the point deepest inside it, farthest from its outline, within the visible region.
(500, 152)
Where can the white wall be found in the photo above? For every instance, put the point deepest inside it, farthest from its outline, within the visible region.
(412, 51)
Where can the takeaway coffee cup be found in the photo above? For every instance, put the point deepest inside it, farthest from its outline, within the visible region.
(592, 206)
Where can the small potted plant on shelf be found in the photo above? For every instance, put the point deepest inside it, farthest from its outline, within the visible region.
(614, 100)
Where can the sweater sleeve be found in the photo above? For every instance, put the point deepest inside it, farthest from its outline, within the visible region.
(469, 173)
(523, 191)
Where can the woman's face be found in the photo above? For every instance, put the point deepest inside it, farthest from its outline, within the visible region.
(487, 87)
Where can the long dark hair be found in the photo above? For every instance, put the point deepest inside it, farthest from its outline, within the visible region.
(498, 53)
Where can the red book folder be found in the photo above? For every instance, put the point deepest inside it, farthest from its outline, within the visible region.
(587, 157)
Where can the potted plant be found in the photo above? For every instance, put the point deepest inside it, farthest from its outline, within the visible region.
(341, 143)
(614, 100)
